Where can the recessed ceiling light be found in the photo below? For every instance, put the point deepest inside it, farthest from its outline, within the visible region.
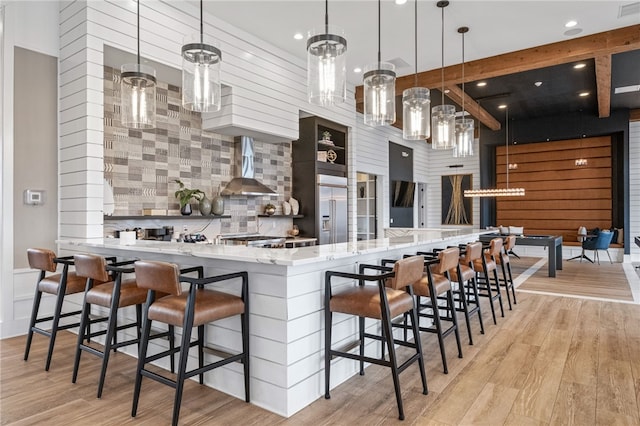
(482, 84)
(579, 66)
(446, 90)
(401, 1)
(298, 36)
(572, 32)
(538, 83)
(357, 69)
(503, 106)
(583, 94)
(570, 24)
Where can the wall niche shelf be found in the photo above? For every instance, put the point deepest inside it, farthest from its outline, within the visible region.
(166, 217)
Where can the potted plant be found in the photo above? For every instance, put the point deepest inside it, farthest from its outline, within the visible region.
(184, 196)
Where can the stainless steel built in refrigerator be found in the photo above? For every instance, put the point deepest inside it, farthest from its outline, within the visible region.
(332, 198)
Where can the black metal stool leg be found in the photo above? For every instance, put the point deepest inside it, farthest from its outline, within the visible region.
(32, 322)
(388, 334)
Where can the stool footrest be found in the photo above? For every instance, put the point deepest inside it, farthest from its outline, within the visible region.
(349, 346)
(67, 314)
(349, 355)
(158, 378)
(211, 366)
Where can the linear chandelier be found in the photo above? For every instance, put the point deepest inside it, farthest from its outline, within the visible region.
(499, 192)
(327, 64)
(416, 101)
(201, 88)
(443, 116)
(138, 92)
(379, 90)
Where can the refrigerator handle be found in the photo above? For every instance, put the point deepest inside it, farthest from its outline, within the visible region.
(333, 218)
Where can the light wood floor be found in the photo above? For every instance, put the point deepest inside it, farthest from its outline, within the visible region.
(552, 360)
(606, 280)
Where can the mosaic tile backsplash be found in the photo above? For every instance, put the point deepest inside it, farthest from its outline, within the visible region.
(141, 165)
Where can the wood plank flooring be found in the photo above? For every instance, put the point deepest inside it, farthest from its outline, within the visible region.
(552, 360)
(578, 279)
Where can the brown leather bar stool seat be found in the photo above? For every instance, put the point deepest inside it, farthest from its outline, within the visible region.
(467, 295)
(486, 265)
(391, 297)
(434, 283)
(505, 265)
(60, 285)
(195, 308)
(114, 293)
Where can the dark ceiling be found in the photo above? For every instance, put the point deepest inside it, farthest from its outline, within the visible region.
(559, 92)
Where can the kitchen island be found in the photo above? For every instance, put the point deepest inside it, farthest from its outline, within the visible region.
(286, 288)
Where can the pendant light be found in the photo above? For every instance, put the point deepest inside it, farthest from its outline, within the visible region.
(201, 60)
(499, 192)
(416, 101)
(327, 64)
(379, 90)
(581, 161)
(138, 92)
(443, 116)
(464, 126)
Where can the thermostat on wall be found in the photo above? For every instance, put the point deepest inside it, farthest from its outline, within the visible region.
(34, 197)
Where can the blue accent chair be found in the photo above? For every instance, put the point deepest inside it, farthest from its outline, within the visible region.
(601, 242)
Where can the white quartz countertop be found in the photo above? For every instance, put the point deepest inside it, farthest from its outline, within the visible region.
(277, 256)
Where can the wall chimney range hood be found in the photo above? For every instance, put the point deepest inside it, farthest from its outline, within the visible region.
(245, 184)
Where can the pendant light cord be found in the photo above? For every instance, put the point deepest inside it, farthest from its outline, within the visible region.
(463, 78)
(506, 140)
(442, 55)
(138, 33)
(326, 16)
(379, 30)
(201, 25)
(415, 43)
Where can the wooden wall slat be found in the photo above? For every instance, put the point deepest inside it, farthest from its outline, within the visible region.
(549, 205)
(543, 156)
(558, 176)
(560, 197)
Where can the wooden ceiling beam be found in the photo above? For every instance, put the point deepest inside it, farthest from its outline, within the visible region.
(472, 107)
(603, 85)
(577, 49)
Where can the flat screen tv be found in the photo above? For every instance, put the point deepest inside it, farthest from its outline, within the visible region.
(402, 193)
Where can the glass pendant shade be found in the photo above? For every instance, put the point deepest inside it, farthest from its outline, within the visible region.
(201, 88)
(464, 138)
(138, 96)
(327, 66)
(416, 121)
(443, 127)
(380, 94)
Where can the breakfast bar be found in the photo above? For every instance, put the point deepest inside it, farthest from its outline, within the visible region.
(286, 306)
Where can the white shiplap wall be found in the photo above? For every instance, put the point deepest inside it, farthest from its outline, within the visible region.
(634, 187)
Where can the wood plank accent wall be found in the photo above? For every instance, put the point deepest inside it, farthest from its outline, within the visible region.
(560, 196)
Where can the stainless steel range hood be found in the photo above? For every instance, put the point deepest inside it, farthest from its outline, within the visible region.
(245, 184)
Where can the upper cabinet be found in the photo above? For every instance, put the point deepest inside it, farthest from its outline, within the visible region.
(322, 146)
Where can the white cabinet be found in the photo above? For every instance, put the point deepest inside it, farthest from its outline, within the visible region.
(366, 206)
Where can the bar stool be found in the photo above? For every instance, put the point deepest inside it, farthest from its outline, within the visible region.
(115, 293)
(485, 265)
(193, 309)
(433, 284)
(391, 297)
(59, 285)
(505, 265)
(464, 274)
